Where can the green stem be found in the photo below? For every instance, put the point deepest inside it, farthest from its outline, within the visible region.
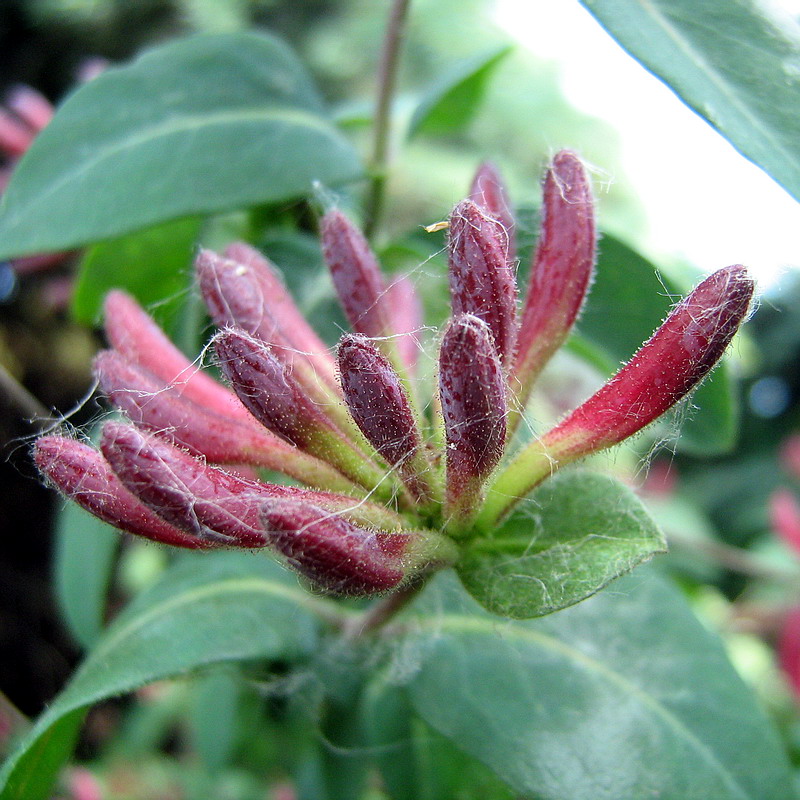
(22, 401)
(381, 611)
(387, 78)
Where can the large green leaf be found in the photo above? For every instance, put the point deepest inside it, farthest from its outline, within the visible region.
(451, 103)
(624, 696)
(628, 301)
(576, 533)
(200, 125)
(86, 549)
(209, 609)
(735, 62)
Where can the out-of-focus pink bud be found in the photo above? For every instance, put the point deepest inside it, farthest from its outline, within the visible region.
(148, 401)
(404, 302)
(784, 516)
(214, 505)
(790, 455)
(83, 475)
(134, 334)
(244, 290)
(472, 390)
(15, 136)
(270, 392)
(789, 649)
(334, 554)
(482, 282)
(488, 191)
(562, 268)
(30, 106)
(666, 368)
(379, 405)
(356, 276)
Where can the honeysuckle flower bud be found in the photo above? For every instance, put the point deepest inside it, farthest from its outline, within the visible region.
(665, 369)
(482, 282)
(334, 554)
(406, 308)
(31, 106)
(271, 393)
(378, 403)
(356, 275)
(244, 290)
(150, 402)
(473, 398)
(488, 191)
(784, 517)
(134, 334)
(789, 649)
(561, 272)
(82, 474)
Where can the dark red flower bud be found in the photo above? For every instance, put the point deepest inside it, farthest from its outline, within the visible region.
(334, 554)
(148, 401)
(482, 282)
(488, 191)
(83, 475)
(134, 334)
(562, 268)
(244, 290)
(406, 309)
(472, 390)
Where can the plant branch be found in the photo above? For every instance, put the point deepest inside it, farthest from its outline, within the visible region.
(21, 400)
(381, 611)
(387, 79)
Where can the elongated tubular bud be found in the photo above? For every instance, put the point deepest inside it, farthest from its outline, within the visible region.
(562, 269)
(665, 369)
(270, 392)
(356, 276)
(15, 135)
(82, 474)
(472, 389)
(482, 282)
(134, 334)
(148, 401)
(334, 554)
(378, 403)
(407, 321)
(30, 106)
(784, 517)
(244, 290)
(488, 192)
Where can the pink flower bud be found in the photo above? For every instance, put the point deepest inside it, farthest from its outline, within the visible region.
(488, 192)
(334, 554)
(15, 136)
(784, 515)
(482, 282)
(82, 474)
(356, 275)
(148, 401)
(378, 403)
(472, 389)
(789, 649)
(214, 505)
(562, 268)
(31, 106)
(666, 368)
(134, 334)
(244, 290)
(404, 302)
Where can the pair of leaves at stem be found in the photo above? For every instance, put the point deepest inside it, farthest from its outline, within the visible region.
(624, 695)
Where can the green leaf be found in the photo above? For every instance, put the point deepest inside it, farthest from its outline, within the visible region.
(736, 64)
(576, 533)
(628, 301)
(206, 610)
(152, 265)
(86, 550)
(213, 717)
(624, 696)
(451, 103)
(204, 124)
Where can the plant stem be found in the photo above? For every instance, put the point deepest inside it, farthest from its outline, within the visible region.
(387, 78)
(380, 612)
(21, 400)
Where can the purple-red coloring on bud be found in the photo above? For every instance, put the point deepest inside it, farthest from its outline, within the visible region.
(473, 397)
(82, 474)
(482, 282)
(333, 553)
(562, 269)
(405, 305)
(488, 192)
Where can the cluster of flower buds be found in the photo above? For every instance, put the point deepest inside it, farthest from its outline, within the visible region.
(391, 478)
